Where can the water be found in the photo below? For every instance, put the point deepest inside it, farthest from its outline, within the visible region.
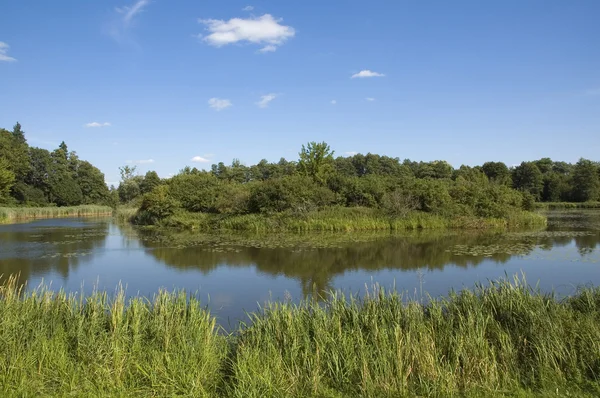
(234, 274)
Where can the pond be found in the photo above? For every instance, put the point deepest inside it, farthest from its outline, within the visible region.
(234, 274)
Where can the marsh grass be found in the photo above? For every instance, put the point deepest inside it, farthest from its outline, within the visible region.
(15, 214)
(504, 338)
(342, 220)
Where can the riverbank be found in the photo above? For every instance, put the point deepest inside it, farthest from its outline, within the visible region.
(567, 205)
(498, 340)
(333, 220)
(15, 214)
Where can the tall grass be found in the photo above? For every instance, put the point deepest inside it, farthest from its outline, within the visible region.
(54, 344)
(343, 219)
(12, 214)
(501, 339)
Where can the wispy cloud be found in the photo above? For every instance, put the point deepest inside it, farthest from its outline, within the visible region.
(219, 104)
(367, 73)
(96, 124)
(370, 99)
(265, 99)
(351, 153)
(131, 11)
(3, 50)
(123, 21)
(333, 102)
(248, 8)
(265, 30)
(141, 161)
(200, 159)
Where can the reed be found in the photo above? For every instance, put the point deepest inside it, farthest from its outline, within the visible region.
(342, 219)
(501, 339)
(14, 214)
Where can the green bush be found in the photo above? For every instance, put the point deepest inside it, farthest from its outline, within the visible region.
(156, 206)
(297, 193)
(195, 192)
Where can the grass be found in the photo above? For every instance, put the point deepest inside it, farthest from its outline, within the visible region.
(502, 339)
(14, 214)
(567, 205)
(341, 220)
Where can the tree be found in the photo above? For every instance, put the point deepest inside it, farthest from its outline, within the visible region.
(528, 178)
(316, 161)
(92, 184)
(7, 179)
(151, 180)
(586, 182)
(497, 172)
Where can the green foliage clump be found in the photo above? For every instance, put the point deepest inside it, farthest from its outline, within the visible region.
(156, 206)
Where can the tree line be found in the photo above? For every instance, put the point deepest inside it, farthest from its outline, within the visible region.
(319, 180)
(31, 176)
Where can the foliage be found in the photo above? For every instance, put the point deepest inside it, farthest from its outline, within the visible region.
(316, 161)
(586, 181)
(7, 179)
(44, 178)
(156, 205)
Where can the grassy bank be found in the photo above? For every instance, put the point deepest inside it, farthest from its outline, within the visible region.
(14, 214)
(336, 219)
(567, 205)
(503, 339)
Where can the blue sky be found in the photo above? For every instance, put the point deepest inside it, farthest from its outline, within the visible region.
(158, 83)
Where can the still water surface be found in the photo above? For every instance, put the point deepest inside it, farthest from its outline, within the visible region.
(236, 274)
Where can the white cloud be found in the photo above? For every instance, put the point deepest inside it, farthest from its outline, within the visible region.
(367, 73)
(96, 124)
(248, 8)
(265, 99)
(264, 30)
(370, 99)
(268, 49)
(141, 161)
(131, 11)
(219, 104)
(3, 50)
(333, 102)
(351, 153)
(200, 159)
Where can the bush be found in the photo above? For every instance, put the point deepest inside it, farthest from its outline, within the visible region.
(156, 205)
(297, 193)
(195, 192)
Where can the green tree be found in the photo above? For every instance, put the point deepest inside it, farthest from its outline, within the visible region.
(7, 179)
(527, 177)
(497, 172)
(151, 180)
(316, 161)
(586, 182)
(92, 184)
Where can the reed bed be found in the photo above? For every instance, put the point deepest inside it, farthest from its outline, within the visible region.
(501, 339)
(343, 220)
(12, 214)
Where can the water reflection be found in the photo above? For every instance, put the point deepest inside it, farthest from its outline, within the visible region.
(315, 268)
(241, 270)
(49, 247)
